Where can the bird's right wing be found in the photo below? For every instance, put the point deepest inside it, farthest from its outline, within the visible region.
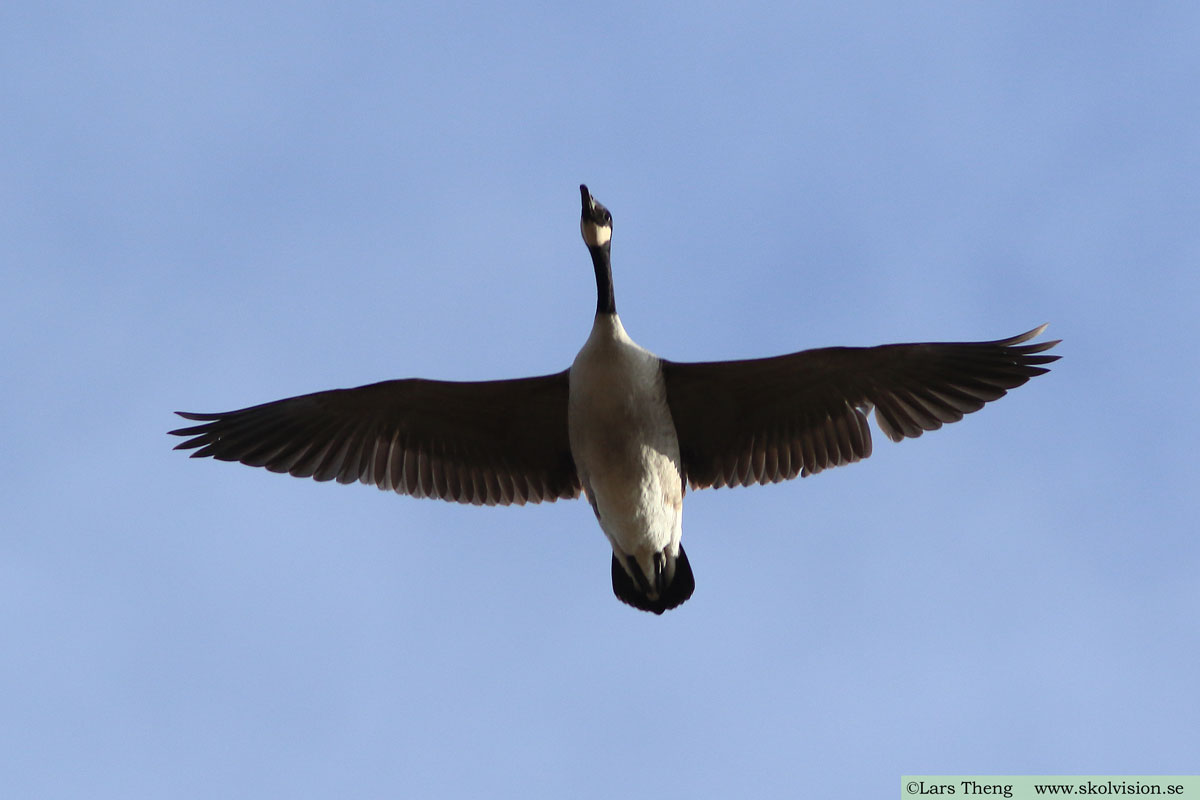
(489, 442)
(770, 419)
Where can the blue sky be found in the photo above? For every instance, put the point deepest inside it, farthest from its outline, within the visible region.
(209, 206)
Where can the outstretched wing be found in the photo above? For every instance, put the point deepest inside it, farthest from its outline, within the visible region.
(770, 419)
(491, 442)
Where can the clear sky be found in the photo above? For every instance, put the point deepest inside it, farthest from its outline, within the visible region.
(206, 206)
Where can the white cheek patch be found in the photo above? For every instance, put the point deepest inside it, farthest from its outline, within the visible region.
(595, 235)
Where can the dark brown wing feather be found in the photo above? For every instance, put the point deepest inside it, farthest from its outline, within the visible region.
(771, 419)
(491, 442)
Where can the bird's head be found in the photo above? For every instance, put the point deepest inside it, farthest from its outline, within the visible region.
(595, 223)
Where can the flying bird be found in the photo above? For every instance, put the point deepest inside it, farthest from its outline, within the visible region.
(630, 430)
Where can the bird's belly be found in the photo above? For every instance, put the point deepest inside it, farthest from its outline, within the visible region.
(638, 502)
(627, 456)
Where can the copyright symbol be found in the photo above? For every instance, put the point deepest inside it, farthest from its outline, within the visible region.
(912, 787)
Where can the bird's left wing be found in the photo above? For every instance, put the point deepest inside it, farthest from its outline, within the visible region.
(489, 442)
(771, 419)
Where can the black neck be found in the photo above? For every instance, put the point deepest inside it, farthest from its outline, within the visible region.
(605, 301)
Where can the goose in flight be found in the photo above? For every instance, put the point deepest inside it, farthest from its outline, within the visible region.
(628, 429)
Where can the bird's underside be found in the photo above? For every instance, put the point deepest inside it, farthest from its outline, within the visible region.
(506, 442)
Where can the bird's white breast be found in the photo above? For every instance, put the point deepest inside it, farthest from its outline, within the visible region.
(624, 443)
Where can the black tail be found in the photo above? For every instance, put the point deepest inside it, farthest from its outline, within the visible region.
(679, 590)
